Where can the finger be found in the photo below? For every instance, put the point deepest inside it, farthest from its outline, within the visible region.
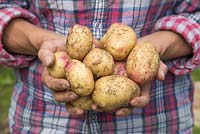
(144, 99)
(46, 56)
(65, 96)
(47, 50)
(162, 71)
(54, 83)
(124, 111)
(74, 110)
(96, 108)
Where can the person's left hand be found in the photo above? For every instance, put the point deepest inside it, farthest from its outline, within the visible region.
(163, 42)
(144, 97)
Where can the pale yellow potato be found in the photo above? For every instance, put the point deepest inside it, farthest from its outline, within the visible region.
(79, 42)
(84, 102)
(58, 68)
(114, 91)
(80, 78)
(119, 40)
(100, 62)
(142, 63)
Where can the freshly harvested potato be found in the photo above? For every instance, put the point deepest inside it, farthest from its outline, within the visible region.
(120, 68)
(84, 102)
(100, 62)
(119, 40)
(142, 63)
(79, 42)
(114, 91)
(80, 77)
(58, 68)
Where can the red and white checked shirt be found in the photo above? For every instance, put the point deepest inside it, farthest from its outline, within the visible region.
(33, 109)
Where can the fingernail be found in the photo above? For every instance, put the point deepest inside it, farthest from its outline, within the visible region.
(72, 95)
(162, 75)
(48, 60)
(65, 86)
(119, 113)
(133, 102)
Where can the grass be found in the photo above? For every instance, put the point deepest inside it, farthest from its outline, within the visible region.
(196, 75)
(7, 80)
(196, 130)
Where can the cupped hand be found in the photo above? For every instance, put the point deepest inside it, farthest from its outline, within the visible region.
(60, 87)
(141, 100)
(161, 41)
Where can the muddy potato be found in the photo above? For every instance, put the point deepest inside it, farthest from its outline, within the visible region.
(142, 63)
(80, 78)
(100, 62)
(119, 40)
(113, 92)
(58, 68)
(79, 42)
(84, 102)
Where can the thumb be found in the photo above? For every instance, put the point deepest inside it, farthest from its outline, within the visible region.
(46, 57)
(162, 71)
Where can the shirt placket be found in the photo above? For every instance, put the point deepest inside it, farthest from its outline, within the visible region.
(99, 17)
(98, 8)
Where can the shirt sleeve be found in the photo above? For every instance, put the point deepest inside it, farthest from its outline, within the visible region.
(8, 12)
(185, 22)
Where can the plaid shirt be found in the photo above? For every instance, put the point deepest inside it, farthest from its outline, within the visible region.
(33, 109)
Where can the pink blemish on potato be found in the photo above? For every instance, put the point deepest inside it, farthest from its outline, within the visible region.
(136, 77)
(68, 65)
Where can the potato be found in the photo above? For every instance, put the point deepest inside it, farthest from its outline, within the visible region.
(119, 40)
(84, 102)
(80, 78)
(112, 92)
(100, 62)
(79, 42)
(142, 63)
(58, 68)
(120, 68)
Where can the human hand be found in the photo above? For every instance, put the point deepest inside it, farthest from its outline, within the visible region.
(169, 46)
(163, 42)
(60, 87)
(141, 98)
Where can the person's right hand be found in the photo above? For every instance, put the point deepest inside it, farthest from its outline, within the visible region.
(60, 87)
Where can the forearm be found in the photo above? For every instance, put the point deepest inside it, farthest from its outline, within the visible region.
(170, 45)
(176, 48)
(22, 37)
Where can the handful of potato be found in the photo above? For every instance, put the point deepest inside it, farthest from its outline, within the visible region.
(96, 72)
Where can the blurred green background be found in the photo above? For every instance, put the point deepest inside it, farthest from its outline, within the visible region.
(7, 80)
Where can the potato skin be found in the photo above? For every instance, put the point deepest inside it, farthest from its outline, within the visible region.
(80, 78)
(79, 42)
(58, 68)
(112, 92)
(142, 63)
(100, 62)
(84, 102)
(119, 40)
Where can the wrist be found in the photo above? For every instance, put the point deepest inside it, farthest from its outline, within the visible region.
(22, 37)
(39, 36)
(176, 48)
